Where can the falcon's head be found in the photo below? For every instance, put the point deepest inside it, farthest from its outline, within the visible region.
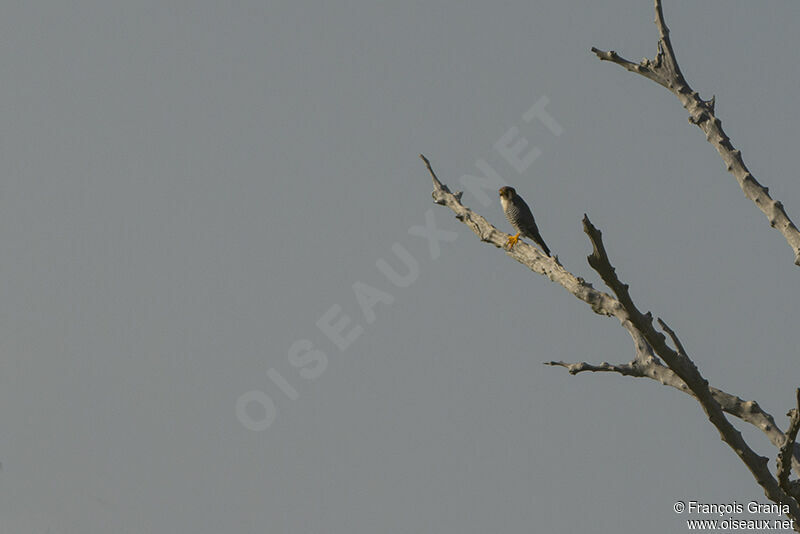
(507, 192)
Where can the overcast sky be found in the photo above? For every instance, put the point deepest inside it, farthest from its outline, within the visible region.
(192, 189)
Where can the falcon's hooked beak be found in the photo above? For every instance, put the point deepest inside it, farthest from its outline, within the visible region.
(506, 191)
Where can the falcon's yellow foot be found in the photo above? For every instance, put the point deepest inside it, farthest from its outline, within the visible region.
(512, 240)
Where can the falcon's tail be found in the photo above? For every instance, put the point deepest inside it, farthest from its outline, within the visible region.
(539, 241)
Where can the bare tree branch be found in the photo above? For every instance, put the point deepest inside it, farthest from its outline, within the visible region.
(646, 364)
(664, 71)
(673, 336)
(683, 366)
(651, 347)
(436, 183)
(628, 369)
(748, 411)
(786, 451)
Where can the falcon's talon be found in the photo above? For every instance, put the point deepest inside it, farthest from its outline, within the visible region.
(512, 240)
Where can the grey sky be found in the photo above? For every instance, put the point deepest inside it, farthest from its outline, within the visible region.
(189, 186)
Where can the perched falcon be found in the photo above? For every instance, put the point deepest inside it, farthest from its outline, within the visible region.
(519, 215)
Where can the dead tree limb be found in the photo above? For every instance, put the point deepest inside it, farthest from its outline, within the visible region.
(664, 70)
(650, 344)
(645, 363)
(785, 453)
(684, 367)
(680, 372)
